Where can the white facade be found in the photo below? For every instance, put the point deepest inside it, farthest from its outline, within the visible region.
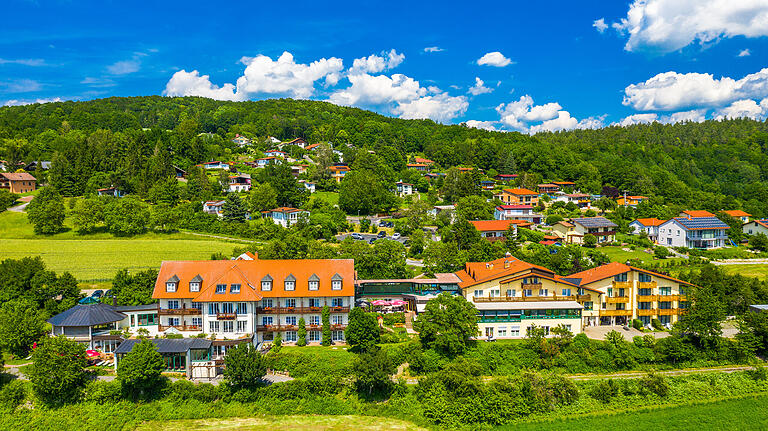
(216, 165)
(756, 227)
(404, 189)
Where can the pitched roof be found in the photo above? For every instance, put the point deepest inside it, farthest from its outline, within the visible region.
(700, 223)
(87, 315)
(313, 146)
(611, 269)
(422, 160)
(594, 222)
(519, 191)
(18, 176)
(697, 213)
(514, 207)
(737, 213)
(475, 273)
(170, 345)
(497, 225)
(250, 273)
(650, 221)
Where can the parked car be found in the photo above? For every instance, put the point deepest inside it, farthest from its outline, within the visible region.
(395, 236)
(357, 237)
(372, 240)
(381, 234)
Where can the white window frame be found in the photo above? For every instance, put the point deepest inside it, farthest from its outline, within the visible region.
(314, 285)
(289, 285)
(194, 286)
(170, 287)
(266, 285)
(336, 285)
(232, 288)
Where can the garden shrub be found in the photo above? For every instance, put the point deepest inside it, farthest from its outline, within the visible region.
(656, 384)
(102, 392)
(13, 394)
(605, 390)
(637, 324)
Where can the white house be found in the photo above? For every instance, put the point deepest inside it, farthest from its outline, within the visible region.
(241, 140)
(309, 185)
(755, 227)
(600, 227)
(264, 161)
(273, 140)
(240, 183)
(285, 216)
(699, 232)
(299, 142)
(404, 189)
(739, 215)
(517, 212)
(276, 153)
(213, 207)
(648, 225)
(439, 209)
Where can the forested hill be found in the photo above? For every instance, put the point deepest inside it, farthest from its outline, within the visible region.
(711, 165)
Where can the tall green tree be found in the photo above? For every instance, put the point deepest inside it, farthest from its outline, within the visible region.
(57, 372)
(244, 367)
(362, 332)
(326, 326)
(46, 211)
(21, 325)
(262, 198)
(448, 324)
(233, 209)
(140, 371)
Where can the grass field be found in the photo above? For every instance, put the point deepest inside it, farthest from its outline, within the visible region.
(741, 414)
(100, 256)
(320, 423)
(330, 197)
(616, 254)
(759, 271)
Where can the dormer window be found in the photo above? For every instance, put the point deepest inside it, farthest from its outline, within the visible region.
(336, 282)
(195, 283)
(266, 282)
(221, 288)
(290, 282)
(171, 284)
(314, 282)
(234, 288)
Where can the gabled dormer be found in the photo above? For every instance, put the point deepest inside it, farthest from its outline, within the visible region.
(266, 283)
(195, 283)
(336, 281)
(290, 282)
(314, 282)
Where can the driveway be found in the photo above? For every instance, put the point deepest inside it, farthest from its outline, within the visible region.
(20, 208)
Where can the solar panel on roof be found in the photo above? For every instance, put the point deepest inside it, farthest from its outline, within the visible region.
(594, 222)
(703, 223)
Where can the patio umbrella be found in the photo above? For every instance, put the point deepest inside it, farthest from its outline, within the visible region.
(398, 302)
(380, 302)
(92, 353)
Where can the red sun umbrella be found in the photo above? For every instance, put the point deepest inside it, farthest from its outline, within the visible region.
(92, 353)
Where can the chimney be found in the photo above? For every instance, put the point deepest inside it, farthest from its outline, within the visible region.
(506, 264)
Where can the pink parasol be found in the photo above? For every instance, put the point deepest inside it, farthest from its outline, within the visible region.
(398, 302)
(380, 302)
(92, 353)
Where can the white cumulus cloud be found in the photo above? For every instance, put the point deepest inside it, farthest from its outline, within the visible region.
(439, 107)
(285, 76)
(744, 53)
(638, 119)
(485, 125)
(184, 83)
(375, 63)
(519, 115)
(479, 87)
(669, 25)
(495, 59)
(744, 108)
(671, 91)
(433, 49)
(600, 25)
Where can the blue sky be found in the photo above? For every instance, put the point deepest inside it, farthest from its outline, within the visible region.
(550, 66)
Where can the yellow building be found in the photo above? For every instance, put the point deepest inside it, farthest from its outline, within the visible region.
(627, 293)
(512, 295)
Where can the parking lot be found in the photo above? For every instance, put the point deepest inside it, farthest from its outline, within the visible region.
(367, 237)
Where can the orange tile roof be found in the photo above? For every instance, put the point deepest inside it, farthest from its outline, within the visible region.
(611, 269)
(249, 274)
(309, 147)
(564, 183)
(737, 213)
(650, 221)
(416, 165)
(698, 213)
(497, 225)
(338, 168)
(520, 192)
(422, 160)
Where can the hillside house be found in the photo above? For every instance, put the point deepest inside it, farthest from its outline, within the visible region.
(694, 232)
(178, 172)
(564, 184)
(285, 216)
(110, 191)
(648, 225)
(32, 166)
(739, 215)
(276, 153)
(548, 189)
(755, 227)
(487, 184)
(600, 227)
(215, 165)
(299, 142)
(272, 140)
(519, 196)
(505, 178)
(517, 212)
(581, 200)
(630, 201)
(310, 186)
(239, 183)
(424, 161)
(404, 189)
(692, 214)
(495, 230)
(18, 182)
(450, 210)
(89, 324)
(235, 299)
(312, 147)
(266, 161)
(338, 172)
(241, 141)
(418, 166)
(213, 207)
(297, 170)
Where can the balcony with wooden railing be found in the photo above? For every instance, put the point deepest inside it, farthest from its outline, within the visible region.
(646, 284)
(299, 310)
(646, 312)
(612, 313)
(179, 311)
(283, 327)
(532, 298)
(617, 299)
(162, 328)
(226, 316)
(622, 284)
(647, 298)
(667, 311)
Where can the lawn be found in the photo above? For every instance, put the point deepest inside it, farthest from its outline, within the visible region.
(330, 197)
(99, 256)
(616, 254)
(759, 271)
(314, 422)
(739, 414)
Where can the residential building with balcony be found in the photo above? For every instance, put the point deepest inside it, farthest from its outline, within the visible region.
(517, 212)
(239, 183)
(338, 172)
(648, 225)
(495, 230)
(699, 232)
(602, 228)
(619, 293)
(404, 189)
(512, 295)
(285, 216)
(20, 182)
(740, 215)
(519, 197)
(236, 299)
(630, 201)
(755, 227)
(548, 189)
